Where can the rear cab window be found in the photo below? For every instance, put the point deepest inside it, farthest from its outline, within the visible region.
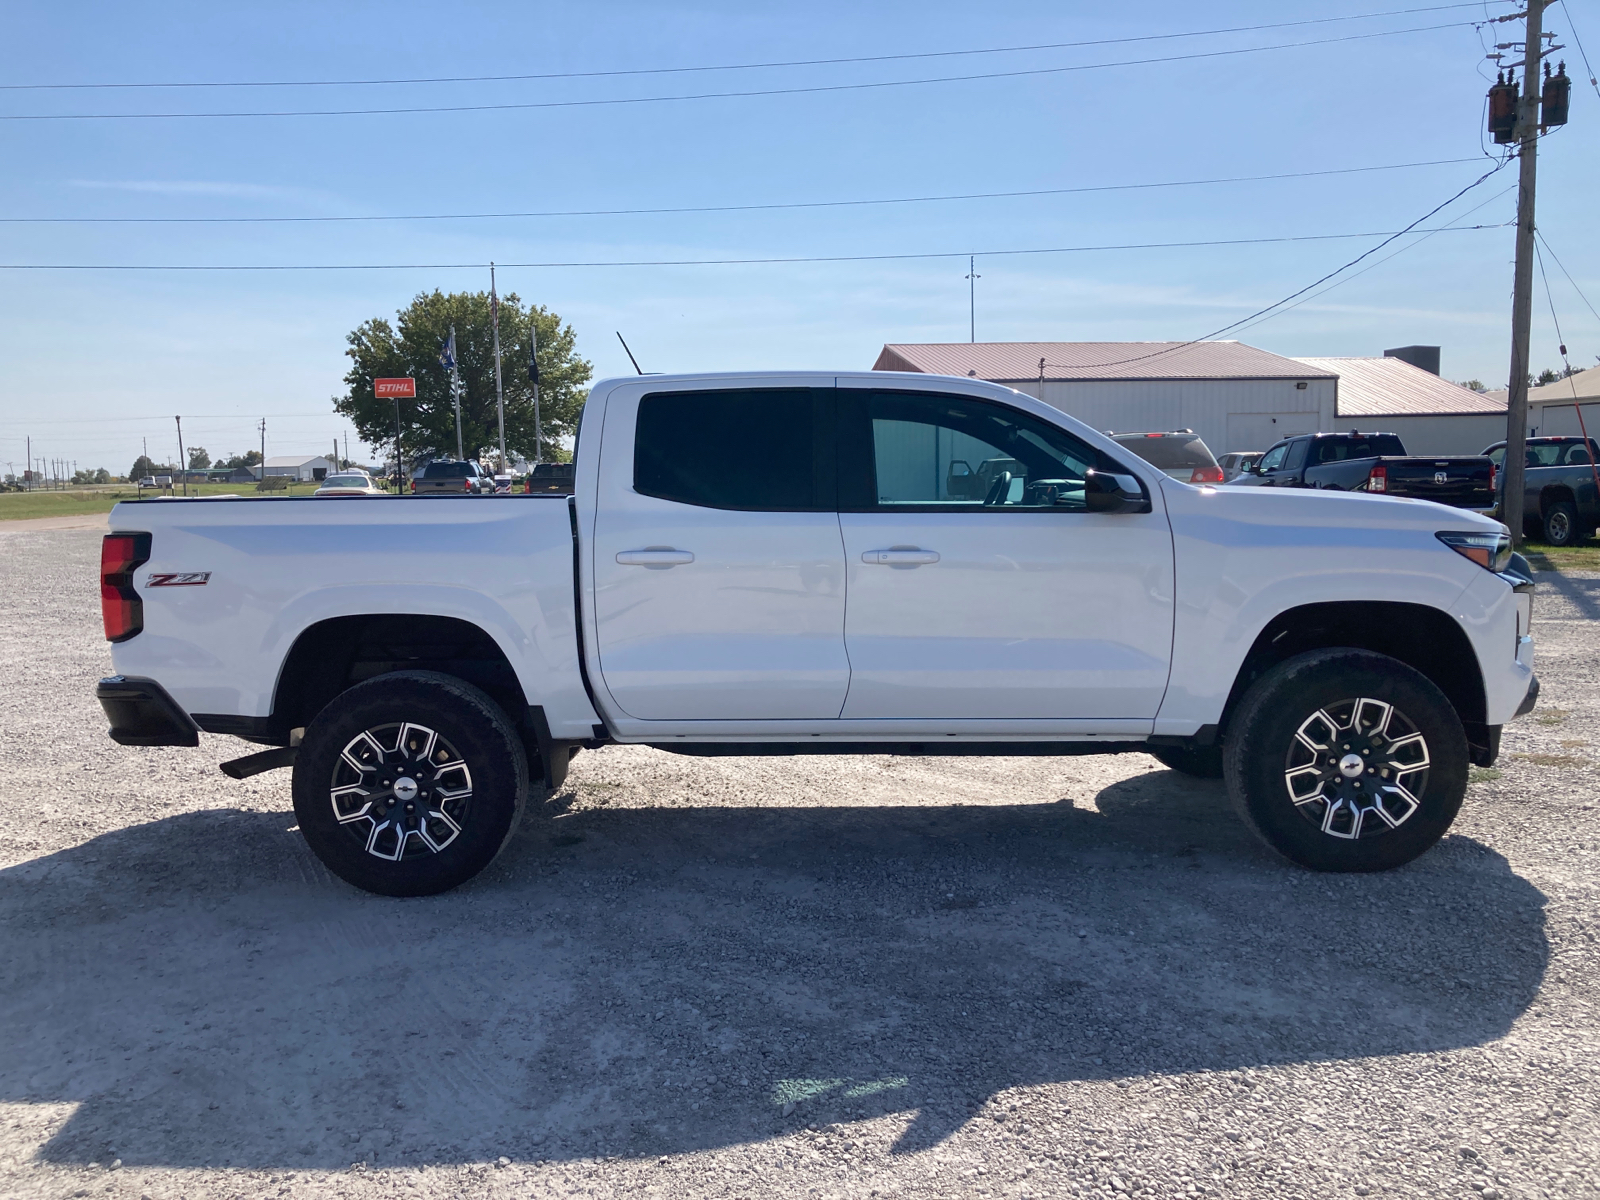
(756, 449)
(450, 470)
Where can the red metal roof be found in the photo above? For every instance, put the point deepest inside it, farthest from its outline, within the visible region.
(1018, 362)
(1388, 387)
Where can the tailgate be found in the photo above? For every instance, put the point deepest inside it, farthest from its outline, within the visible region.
(1458, 482)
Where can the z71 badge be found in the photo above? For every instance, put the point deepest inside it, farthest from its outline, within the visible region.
(179, 579)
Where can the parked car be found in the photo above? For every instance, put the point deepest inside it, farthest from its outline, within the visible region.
(1376, 463)
(149, 481)
(1559, 503)
(1182, 454)
(1237, 462)
(453, 477)
(349, 483)
(1339, 660)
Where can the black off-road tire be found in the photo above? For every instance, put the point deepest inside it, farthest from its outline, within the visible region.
(1203, 762)
(468, 811)
(1263, 748)
(1561, 525)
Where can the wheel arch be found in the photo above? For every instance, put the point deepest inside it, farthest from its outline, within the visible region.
(1555, 493)
(1419, 635)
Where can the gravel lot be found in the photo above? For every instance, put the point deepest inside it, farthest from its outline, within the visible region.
(846, 977)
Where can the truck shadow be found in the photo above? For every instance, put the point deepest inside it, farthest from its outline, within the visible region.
(642, 982)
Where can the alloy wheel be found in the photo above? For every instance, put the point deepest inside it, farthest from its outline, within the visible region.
(1357, 768)
(401, 790)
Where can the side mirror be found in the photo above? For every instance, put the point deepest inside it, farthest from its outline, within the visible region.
(1113, 492)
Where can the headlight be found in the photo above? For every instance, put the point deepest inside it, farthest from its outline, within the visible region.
(1491, 551)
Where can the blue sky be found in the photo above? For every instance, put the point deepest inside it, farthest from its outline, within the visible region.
(92, 361)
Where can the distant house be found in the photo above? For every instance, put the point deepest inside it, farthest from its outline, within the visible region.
(1552, 408)
(302, 468)
(231, 475)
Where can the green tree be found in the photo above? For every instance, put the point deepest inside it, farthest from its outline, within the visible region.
(199, 458)
(377, 351)
(249, 458)
(142, 466)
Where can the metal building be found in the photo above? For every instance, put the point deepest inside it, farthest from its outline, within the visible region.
(1234, 396)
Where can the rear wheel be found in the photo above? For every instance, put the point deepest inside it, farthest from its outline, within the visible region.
(1561, 524)
(409, 784)
(1346, 760)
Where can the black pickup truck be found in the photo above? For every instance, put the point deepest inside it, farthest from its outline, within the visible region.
(1372, 462)
(1558, 496)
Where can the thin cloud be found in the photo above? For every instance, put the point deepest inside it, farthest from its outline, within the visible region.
(185, 187)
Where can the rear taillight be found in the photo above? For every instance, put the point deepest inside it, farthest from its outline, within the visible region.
(1494, 474)
(527, 486)
(413, 485)
(466, 485)
(121, 554)
(1378, 479)
(1206, 475)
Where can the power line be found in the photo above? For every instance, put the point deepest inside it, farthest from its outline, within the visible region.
(722, 208)
(717, 262)
(1262, 312)
(757, 92)
(804, 62)
(1539, 233)
(1595, 84)
(1373, 266)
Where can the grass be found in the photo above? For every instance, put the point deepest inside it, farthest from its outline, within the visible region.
(1582, 557)
(1482, 774)
(21, 506)
(1553, 760)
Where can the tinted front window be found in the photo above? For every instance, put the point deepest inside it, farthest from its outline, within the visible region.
(1297, 455)
(745, 449)
(949, 451)
(1170, 453)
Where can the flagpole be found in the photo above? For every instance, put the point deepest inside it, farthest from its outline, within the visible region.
(533, 374)
(499, 390)
(455, 392)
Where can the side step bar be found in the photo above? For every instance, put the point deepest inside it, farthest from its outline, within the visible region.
(255, 764)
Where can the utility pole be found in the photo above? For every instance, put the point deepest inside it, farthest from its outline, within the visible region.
(499, 391)
(183, 465)
(263, 427)
(1527, 134)
(972, 296)
(347, 449)
(27, 475)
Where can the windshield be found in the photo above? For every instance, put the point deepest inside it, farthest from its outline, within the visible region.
(1170, 453)
(450, 470)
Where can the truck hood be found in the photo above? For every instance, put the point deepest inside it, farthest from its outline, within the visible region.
(1287, 509)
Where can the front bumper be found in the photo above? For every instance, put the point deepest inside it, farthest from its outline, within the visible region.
(1530, 699)
(142, 714)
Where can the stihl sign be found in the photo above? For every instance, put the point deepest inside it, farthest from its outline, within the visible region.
(389, 389)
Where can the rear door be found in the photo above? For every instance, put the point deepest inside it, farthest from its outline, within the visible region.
(719, 584)
(981, 588)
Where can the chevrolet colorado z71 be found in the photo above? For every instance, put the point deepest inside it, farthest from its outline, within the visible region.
(800, 564)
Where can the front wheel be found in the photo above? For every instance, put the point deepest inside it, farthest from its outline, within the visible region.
(409, 784)
(1346, 760)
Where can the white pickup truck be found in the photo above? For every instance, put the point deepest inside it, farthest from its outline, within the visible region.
(823, 563)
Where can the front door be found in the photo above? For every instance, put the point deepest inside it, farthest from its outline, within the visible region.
(719, 584)
(980, 586)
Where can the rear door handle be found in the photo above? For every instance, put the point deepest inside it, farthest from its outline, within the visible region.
(656, 556)
(900, 557)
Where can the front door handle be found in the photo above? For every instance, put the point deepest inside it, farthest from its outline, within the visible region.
(900, 556)
(655, 556)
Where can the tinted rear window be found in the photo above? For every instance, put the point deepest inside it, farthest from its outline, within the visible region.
(345, 481)
(1170, 453)
(1340, 449)
(450, 470)
(744, 449)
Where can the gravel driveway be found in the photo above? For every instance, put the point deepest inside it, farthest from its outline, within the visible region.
(845, 977)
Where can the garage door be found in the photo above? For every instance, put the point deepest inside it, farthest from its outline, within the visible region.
(1257, 431)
